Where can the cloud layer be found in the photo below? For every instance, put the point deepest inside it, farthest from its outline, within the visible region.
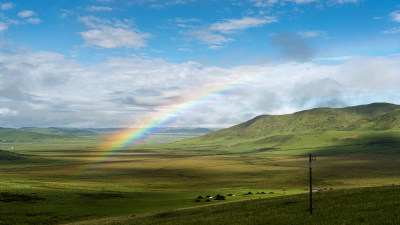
(46, 89)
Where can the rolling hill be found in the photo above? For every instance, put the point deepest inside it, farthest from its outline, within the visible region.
(372, 117)
(364, 124)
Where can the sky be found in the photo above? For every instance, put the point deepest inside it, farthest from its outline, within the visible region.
(203, 63)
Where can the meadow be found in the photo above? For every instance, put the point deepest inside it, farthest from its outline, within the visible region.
(378, 205)
(60, 180)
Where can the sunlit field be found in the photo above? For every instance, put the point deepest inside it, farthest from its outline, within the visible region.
(60, 181)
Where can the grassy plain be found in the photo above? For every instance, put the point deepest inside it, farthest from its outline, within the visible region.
(60, 180)
(378, 205)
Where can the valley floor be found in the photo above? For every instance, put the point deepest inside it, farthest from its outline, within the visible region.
(71, 180)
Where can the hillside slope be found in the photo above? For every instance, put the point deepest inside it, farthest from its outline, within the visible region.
(372, 117)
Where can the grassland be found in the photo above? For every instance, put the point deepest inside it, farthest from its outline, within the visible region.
(62, 181)
(379, 205)
(50, 179)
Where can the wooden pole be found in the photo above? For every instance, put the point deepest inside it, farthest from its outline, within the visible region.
(311, 209)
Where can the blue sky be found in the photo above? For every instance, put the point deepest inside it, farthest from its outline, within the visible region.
(101, 63)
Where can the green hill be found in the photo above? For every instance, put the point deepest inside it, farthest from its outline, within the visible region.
(376, 116)
(320, 127)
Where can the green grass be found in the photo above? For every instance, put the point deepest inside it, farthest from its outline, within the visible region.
(50, 179)
(378, 205)
(64, 186)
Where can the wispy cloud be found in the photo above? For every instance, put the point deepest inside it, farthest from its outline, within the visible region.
(7, 6)
(206, 36)
(98, 8)
(346, 1)
(110, 37)
(312, 33)
(34, 20)
(161, 3)
(215, 47)
(3, 26)
(26, 13)
(233, 25)
(395, 16)
(217, 33)
(264, 3)
(303, 1)
(394, 30)
(25, 17)
(112, 34)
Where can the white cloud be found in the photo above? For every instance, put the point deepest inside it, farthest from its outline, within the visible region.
(93, 22)
(182, 20)
(96, 22)
(110, 37)
(312, 33)
(185, 49)
(395, 16)
(7, 6)
(7, 112)
(162, 3)
(264, 3)
(232, 25)
(26, 19)
(3, 26)
(34, 20)
(394, 30)
(347, 1)
(26, 13)
(47, 89)
(304, 1)
(98, 8)
(112, 34)
(206, 36)
(213, 34)
(215, 47)
(340, 58)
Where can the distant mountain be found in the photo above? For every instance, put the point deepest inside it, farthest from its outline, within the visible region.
(103, 130)
(169, 130)
(371, 117)
(58, 131)
(5, 128)
(38, 133)
(187, 130)
(13, 135)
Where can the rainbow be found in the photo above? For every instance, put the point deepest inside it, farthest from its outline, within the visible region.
(182, 109)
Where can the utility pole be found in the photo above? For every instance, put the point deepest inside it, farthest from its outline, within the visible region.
(312, 158)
